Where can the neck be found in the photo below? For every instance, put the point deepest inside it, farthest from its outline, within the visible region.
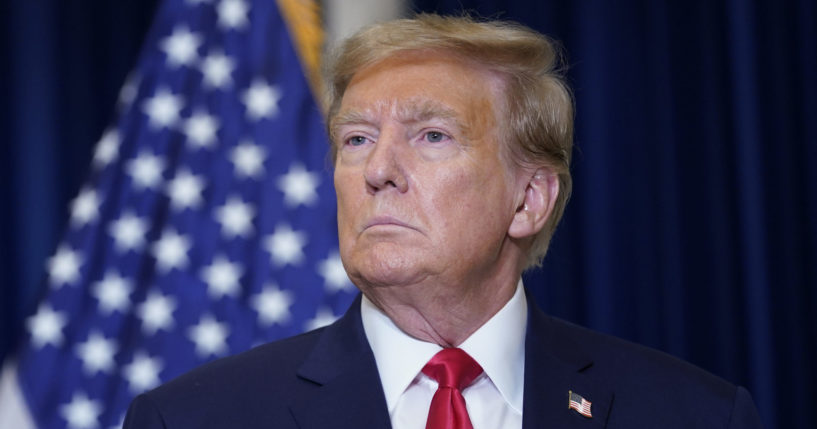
(443, 312)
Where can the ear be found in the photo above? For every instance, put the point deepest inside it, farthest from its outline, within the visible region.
(537, 204)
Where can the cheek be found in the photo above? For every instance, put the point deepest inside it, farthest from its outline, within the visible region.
(346, 180)
(346, 198)
(474, 202)
(458, 197)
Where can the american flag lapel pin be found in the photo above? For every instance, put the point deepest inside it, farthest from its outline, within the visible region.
(578, 403)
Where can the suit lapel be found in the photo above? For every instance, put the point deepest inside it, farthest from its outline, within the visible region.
(347, 392)
(555, 364)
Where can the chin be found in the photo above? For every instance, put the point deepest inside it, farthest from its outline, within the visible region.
(379, 268)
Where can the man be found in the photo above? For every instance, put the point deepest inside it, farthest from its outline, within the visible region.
(451, 141)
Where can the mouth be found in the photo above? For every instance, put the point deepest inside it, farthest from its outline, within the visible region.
(386, 222)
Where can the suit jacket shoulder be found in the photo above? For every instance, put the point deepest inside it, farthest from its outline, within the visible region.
(629, 386)
(238, 391)
(324, 378)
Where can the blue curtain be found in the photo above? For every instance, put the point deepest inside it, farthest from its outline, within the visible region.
(63, 62)
(693, 225)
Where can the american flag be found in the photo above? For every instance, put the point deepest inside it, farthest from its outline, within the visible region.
(207, 225)
(578, 403)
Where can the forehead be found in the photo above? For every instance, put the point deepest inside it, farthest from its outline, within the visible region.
(417, 86)
(413, 109)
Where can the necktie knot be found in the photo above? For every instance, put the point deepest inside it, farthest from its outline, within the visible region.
(453, 368)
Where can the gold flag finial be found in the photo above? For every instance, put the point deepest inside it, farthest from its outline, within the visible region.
(304, 23)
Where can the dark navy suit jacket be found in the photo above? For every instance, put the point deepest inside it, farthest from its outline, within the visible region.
(328, 379)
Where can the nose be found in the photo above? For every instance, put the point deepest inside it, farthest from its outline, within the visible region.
(385, 164)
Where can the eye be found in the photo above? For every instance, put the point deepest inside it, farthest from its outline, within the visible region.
(356, 140)
(435, 136)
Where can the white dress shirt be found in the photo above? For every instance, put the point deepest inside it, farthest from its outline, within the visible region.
(494, 400)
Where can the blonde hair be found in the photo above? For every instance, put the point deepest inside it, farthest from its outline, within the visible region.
(539, 103)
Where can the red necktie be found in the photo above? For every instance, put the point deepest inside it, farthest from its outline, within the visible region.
(454, 370)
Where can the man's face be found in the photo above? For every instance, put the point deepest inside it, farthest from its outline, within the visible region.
(423, 191)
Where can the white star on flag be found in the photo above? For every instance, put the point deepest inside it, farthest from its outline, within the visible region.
(248, 160)
(235, 218)
(128, 232)
(185, 190)
(333, 273)
(107, 149)
(222, 277)
(232, 14)
(97, 353)
(217, 70)
(46, 327)
(323, 317)
(143, 372)
(299, 186)
(200, 130)
(85, 207)
(113, 293)
(63, 267)
(146, 170)
(163, 109)
(81, 412)
(180, 47)
(261, 100)
(156, 312)
(209, 336)
(171, 250)
(285, 246)
(272, 305)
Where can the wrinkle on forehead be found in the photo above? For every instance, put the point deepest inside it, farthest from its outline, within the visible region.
(416, 111)
(410, 111)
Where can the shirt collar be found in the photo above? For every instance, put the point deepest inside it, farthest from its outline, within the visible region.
(498, 346)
